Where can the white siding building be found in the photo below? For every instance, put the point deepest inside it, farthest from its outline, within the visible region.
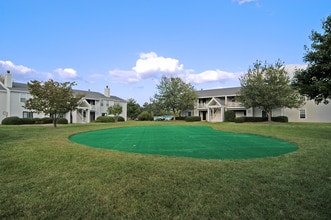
(13, 96)
(211, 105)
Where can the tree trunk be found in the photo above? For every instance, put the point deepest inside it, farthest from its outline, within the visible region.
(54, 121)
(269, 113)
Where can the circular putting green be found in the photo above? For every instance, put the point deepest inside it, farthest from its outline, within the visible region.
(185, 141)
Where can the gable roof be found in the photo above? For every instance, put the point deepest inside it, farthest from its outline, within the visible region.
(23, 87)
(218, 92)
(17, 87)
(217, 102)
(97, 95)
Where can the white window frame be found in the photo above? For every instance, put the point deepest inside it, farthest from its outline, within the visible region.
(302, 113)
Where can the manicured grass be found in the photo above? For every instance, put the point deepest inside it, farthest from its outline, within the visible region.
(185, 141)
(44, 175)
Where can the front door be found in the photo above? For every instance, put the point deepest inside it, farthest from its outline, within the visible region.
(92, 116)
(204, 115)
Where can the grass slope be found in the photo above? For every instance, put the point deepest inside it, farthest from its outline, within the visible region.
(44, 175)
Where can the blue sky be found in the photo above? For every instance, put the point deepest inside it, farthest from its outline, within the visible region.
(129, 44)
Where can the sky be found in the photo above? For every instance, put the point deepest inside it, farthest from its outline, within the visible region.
(129, 45)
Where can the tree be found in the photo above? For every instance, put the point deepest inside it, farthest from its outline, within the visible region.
(268, 87)
(52, 98)
(315, 81)
(115, 110)
(174, 95)
(134, 109)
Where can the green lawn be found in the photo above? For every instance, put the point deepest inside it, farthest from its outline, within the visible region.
(44, 175)
(185, 141)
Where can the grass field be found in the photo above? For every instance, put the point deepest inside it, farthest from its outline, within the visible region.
(44, 175)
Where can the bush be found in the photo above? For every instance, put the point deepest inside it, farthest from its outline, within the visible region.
(180, 118)
(193, 118)
(12, 121)
(145, 116)
(28, 120)
(239, 120)
(255, 119)
(62, 121)
(45, 120)
(280, 119)
(105, 119)
(120, 118)
(229, 116)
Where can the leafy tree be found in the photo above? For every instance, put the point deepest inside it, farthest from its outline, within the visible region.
(315, 81)
(2, 78)
(115, 110)
(268, 87)
(52, 98)
(134, 109)
(174, 95)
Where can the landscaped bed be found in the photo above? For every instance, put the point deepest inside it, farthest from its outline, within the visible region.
(185, 141)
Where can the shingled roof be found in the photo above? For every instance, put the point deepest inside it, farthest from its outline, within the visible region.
(97, 95)
(23, 87)
(218, 92)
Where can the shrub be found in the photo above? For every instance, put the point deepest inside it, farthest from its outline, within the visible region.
(193, 118)
(145, 116)
(229, 116)
(280, 119)
(28, 120)
(239, 120)
(62, 121)
(46, 120)
(180, 118)
(14, 120)
(255, 119)
(105, 119)
(38, 121)
(120, 118)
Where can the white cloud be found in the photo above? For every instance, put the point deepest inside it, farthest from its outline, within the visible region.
(150, 64)
(67, 73)
(208, 76)
(240, 2)
(17, 69)
(124, 76)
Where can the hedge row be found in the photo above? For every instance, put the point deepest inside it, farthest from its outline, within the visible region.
(259, 119)
(108, 119)
(192, 118)
(21, 121)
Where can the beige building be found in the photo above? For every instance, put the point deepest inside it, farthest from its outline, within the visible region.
(212, 103)
(13, 96)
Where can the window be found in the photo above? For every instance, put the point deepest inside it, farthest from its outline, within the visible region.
(302, 113)
(27, 114)
(23, 97)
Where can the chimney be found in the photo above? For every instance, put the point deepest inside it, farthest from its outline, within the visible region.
(8, 80)
(107, 91)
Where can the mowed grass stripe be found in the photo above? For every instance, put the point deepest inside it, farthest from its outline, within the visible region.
(185, 141)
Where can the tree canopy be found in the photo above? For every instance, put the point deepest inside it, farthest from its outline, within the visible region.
(115, 110)
(52, 98)
(133, 109)
(315, 81)
(174, 95)
(268, 87)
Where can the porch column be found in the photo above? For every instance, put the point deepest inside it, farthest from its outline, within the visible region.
(88, 115)
(222, 114)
